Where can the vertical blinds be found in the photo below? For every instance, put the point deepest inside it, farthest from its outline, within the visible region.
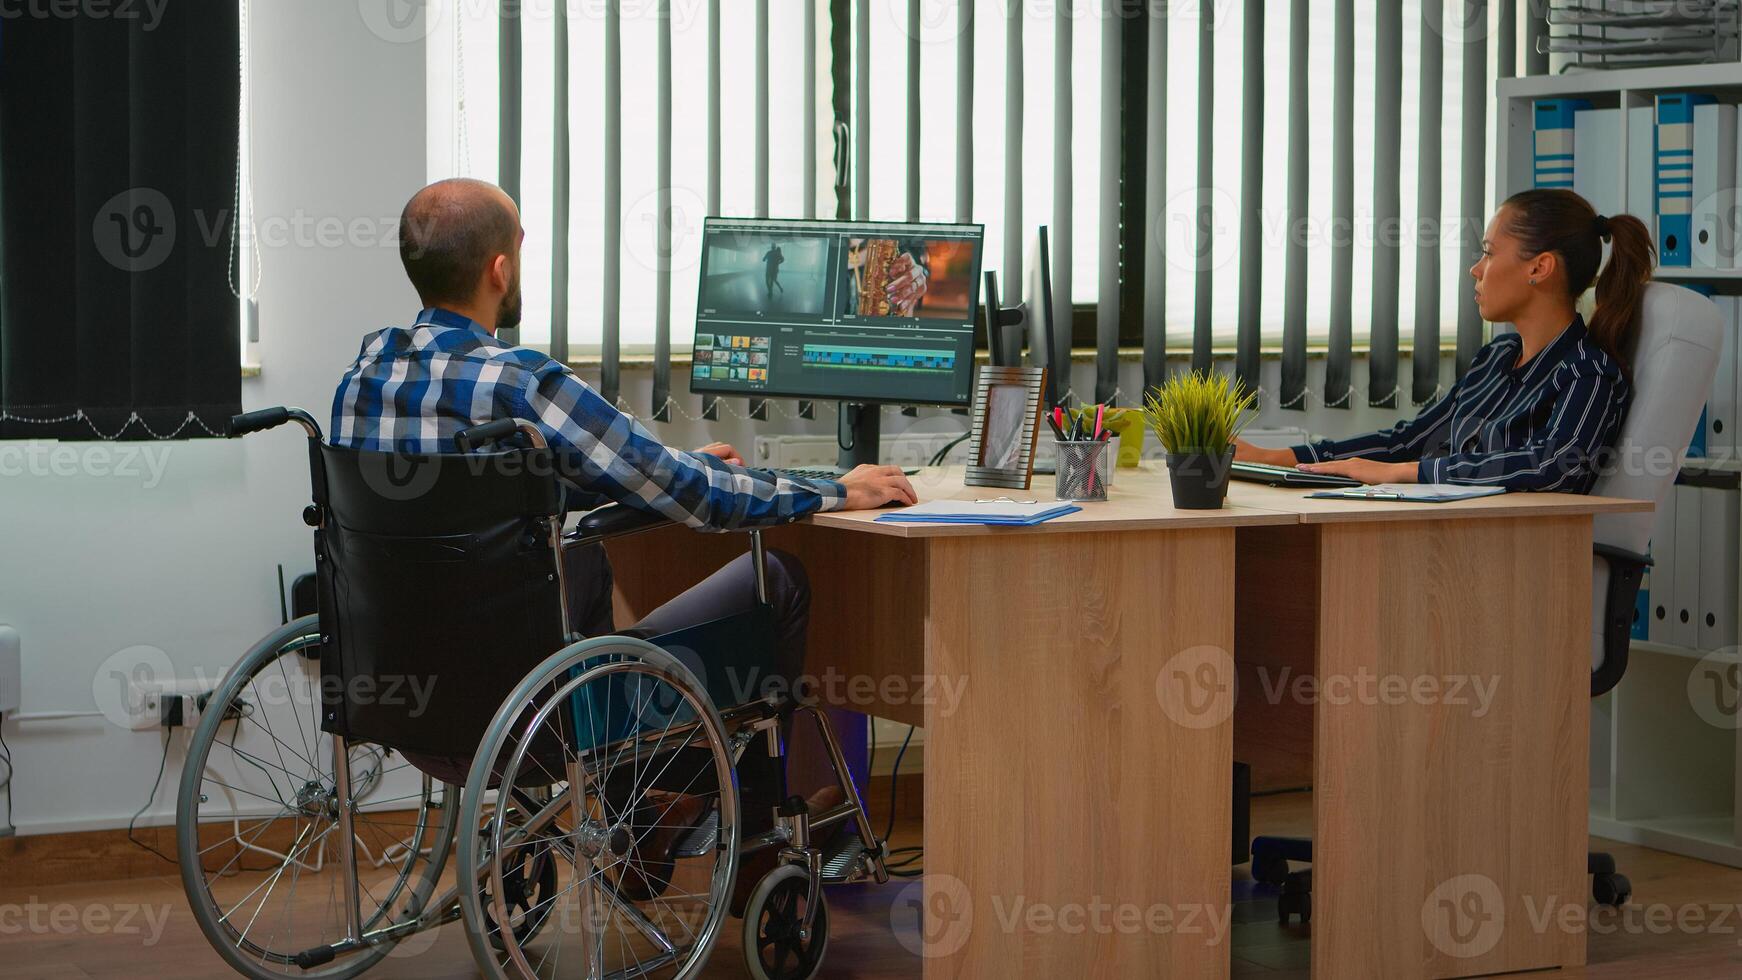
(1314, 157)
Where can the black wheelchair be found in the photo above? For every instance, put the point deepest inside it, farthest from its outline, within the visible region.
(599, 831)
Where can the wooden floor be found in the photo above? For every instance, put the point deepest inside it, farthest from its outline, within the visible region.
(874, 926)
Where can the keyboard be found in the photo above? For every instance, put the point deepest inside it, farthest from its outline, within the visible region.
(1287, 476)
(821, 473)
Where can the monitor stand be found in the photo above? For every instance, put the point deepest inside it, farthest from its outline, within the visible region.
(859, 434)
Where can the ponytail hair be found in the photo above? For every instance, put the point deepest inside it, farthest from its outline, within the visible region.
(1562, 222)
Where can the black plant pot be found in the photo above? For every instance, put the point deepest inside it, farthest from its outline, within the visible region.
(1200, 480)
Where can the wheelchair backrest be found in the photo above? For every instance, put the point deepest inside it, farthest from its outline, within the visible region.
(439, 590)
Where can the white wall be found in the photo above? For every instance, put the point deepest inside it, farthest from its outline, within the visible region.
(94, 563)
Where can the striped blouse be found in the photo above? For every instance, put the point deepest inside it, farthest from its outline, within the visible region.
(1537, 426)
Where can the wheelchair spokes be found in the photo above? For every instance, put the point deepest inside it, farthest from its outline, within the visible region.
(262, 835)
(639, 847)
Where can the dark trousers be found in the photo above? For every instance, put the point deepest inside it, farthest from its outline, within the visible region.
(729, 591)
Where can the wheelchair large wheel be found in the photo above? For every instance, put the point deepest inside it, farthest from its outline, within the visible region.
(257, 822)
(603, 727)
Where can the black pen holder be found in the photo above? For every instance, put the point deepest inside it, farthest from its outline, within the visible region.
(1084, 469)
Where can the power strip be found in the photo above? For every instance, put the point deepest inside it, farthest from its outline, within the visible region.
(186, 710)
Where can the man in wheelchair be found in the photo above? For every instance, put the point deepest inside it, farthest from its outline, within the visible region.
(413, 389)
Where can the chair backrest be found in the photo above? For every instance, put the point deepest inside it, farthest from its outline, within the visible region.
(439, 591)
(1681, 335)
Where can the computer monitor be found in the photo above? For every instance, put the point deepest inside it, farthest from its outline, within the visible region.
(862, 312)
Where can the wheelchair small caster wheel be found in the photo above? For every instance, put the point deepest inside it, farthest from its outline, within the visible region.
(1296, 898)
(1269, 870)
(1611, 889)
(776, 945)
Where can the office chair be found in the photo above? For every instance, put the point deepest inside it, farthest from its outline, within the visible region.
(1681, 335)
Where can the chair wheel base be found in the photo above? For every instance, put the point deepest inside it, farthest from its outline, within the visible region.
(1296, 898)
(1611, 889)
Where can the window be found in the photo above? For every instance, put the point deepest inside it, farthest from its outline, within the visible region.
(463, 131)
(463, 125)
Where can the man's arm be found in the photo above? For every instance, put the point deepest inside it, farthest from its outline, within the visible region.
(607, 452)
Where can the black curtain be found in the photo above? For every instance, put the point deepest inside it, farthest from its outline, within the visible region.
(118, 141)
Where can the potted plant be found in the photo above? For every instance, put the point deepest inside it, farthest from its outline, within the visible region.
(1197, 416)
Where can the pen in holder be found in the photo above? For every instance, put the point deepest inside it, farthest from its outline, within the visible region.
(1084, 469)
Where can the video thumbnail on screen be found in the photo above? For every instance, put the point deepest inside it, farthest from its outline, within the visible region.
(908, 277)
(757, 272)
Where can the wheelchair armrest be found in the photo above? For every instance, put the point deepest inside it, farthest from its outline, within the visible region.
(1626, 569)
(614, 520)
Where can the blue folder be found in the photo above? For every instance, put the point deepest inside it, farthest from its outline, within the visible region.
(966, 512)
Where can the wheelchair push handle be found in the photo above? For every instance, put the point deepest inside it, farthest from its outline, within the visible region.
(470, 438)
(262, 419)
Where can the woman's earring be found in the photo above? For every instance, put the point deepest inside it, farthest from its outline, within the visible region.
(1533, 282)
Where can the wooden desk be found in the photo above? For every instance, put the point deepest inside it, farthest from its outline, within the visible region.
(1074, 827)
(1448, 816)
(1077, 790)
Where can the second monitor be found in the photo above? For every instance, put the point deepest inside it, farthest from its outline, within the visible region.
(856, 311)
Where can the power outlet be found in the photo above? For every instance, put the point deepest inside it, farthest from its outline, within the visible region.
(165, 704)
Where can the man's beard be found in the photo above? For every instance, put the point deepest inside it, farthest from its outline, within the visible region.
(508, 314)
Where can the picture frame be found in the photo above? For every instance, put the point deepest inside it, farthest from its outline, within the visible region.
(1006, 413)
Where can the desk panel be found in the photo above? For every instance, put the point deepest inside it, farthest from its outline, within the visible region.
(1445, 823)
(1077, 800)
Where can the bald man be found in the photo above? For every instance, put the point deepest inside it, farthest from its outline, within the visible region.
(412, 388)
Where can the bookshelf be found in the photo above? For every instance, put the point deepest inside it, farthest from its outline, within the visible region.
(1666, 758)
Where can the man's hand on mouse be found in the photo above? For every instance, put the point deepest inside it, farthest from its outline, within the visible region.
(871, 486)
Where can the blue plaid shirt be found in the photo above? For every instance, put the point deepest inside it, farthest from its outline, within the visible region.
(1541, 426)
(411, 389)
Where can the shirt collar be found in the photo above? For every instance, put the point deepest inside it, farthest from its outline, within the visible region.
(1554, 353)
(435, 316)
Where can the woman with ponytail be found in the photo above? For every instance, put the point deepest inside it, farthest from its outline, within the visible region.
(1536, 407)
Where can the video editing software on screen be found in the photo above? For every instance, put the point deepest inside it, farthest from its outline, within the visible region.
(837, 310)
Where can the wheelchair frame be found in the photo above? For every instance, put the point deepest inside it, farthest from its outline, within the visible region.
(738, 726)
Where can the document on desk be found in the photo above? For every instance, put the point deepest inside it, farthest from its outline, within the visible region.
(1426, 493)
(1000, 511)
